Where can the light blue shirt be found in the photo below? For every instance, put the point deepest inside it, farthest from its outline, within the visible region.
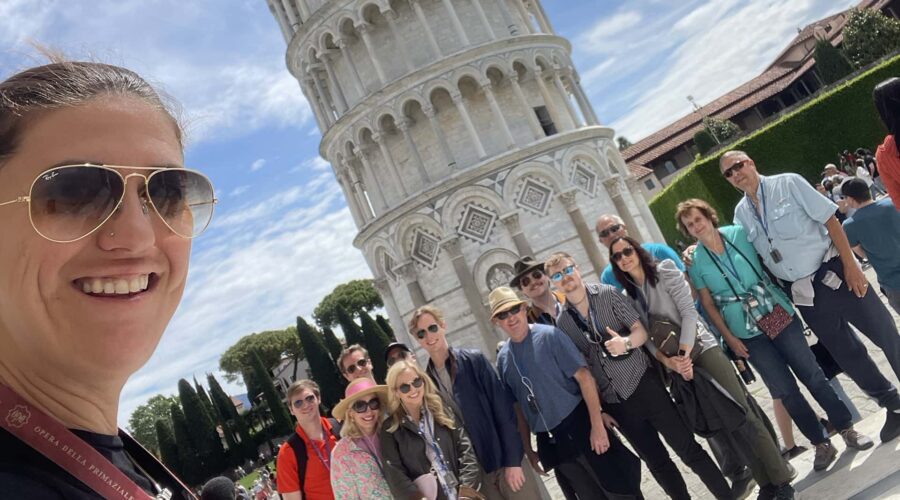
(793, 222)
(877, 228)
(659, 251)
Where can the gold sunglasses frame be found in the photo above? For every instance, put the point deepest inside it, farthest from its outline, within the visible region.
(114, 169)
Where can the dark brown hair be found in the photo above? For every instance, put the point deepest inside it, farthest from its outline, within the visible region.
(647, 262)
(704, 207)
(65, 84)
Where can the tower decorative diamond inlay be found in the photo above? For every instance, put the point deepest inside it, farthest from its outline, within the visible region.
(477, 223)
(534, 197)
(584, 178)
(425, 248)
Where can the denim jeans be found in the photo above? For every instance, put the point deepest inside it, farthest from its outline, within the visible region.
(893, 297)
(775, 359)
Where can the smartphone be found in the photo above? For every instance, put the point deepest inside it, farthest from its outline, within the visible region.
(681, 352)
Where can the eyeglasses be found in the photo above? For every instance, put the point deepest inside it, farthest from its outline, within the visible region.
(361, 406)
(417, 383)
(627, 252)
(308, 400)
(610, 230)
(68, 203)
(512, 311)
(535, 275)
(359, 364)
(433, 328)
(733, 168)
(568, 271)
(399, 357)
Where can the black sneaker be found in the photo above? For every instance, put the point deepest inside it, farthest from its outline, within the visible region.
(767, 492)
(785, 492)
(793, 452)
(891, 427)
(742, 487)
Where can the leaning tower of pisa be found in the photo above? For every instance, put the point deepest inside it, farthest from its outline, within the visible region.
(462, 139)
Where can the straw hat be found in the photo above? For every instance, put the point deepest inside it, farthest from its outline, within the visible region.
(358, 389)
(503, 298)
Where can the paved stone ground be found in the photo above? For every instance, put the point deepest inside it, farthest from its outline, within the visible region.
(871, 474)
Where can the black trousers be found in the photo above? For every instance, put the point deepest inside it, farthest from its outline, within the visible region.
(614, 475)
(646, 414)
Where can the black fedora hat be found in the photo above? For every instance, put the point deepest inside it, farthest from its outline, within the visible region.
(524, 266)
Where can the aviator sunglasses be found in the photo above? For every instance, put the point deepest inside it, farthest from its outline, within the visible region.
(300, 403)
(359, 364)
(405, 388)
(433, 328)
(361, 406)
(610, 230)
(627, 252)
(68, 203)
(535, 275)
(734, 168)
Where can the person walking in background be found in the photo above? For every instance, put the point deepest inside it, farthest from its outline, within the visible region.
(887, 156)
(874, 233)
(794, 232)
(426, 451)
(758, 322)
(357, 470)
(661, 294)
(467, 377)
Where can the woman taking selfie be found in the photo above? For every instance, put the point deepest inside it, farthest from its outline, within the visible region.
(357, 466)
(97, 213)
(662, 294)
(426, 451)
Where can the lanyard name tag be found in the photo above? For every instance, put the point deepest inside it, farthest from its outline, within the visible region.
(775, 254)
(752, 302)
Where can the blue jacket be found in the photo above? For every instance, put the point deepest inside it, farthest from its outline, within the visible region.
(487, 409)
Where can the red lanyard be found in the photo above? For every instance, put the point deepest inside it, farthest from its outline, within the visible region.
(64, 448)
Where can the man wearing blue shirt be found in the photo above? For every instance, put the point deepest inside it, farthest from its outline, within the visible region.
(874, 233)
(611, 227)
(794, 231)
(558, 398)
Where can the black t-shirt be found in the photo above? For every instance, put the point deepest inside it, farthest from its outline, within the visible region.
(26, 473)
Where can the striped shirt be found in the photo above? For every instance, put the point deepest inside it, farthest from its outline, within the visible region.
(617, 378)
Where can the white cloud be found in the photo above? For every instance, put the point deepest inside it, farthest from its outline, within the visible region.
(239, 190)
(606, 29)
(258, 164)
(315, 164)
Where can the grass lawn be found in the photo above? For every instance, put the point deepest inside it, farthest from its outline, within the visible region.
(247, 481)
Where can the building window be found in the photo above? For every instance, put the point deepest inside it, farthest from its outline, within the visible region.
(543, 117)
(649, 184)
(670, 167)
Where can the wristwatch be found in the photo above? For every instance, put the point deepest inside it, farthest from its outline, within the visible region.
(628, 345)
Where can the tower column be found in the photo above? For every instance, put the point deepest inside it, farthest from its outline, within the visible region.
(568, 199)
(542, 18)
(289, 12)
(645, 218)
(372, 179)
(448, 159)
(548, 99)
(457, 25)
(276, 11)
(350, 195)
(391, 17)
(456, 96)
(363, 29)
(359, 189)
(484, 19)
(407, 271)
(532, 120)
(324, 96)
(586, 109)
(304, 10)
(389, 160)
(557, 82)
(338, 93)
(452, 246)
(511, 221)
(511, 25)
(313, 98)
(432, 41)
(387, 295)
(528, 28)
(403, 125)
(487, 88)
(615, 193)
(345, 49)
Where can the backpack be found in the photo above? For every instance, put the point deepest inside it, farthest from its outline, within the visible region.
(299, 446)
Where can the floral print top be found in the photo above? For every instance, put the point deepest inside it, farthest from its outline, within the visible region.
(355, 474)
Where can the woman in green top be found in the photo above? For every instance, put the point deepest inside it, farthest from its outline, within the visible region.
(736, 293)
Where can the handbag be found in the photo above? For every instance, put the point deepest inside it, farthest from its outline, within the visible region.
(773, 323)
(665, 335)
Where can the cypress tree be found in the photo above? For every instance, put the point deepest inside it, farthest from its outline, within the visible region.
(376, 343)
(332, 343)
(203, 430)
(281, 419)
(188, 456)
(206, 401)
(168, 448)
(831, 63)
(352, 332)
(322, 369)
(386, 327)
(239, 427)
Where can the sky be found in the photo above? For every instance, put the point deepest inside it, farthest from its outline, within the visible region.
(282, 235)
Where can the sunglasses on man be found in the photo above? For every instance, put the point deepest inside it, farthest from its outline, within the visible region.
(728, 172)
(610, 230)
(433, 328)
(68, 203)
(300, 403)
(558, 276)
(524, 281)
(417, 383)
(358, 365)
(512, 311)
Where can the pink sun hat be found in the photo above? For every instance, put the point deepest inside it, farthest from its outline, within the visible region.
(358, 389)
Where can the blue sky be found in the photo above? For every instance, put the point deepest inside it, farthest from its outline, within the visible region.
(282, 235)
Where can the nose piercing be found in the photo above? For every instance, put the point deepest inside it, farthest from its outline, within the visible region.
(111, 234)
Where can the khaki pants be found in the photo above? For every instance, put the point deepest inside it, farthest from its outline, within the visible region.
(494, 487)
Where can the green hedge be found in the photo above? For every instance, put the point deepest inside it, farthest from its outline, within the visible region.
(803, 141)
